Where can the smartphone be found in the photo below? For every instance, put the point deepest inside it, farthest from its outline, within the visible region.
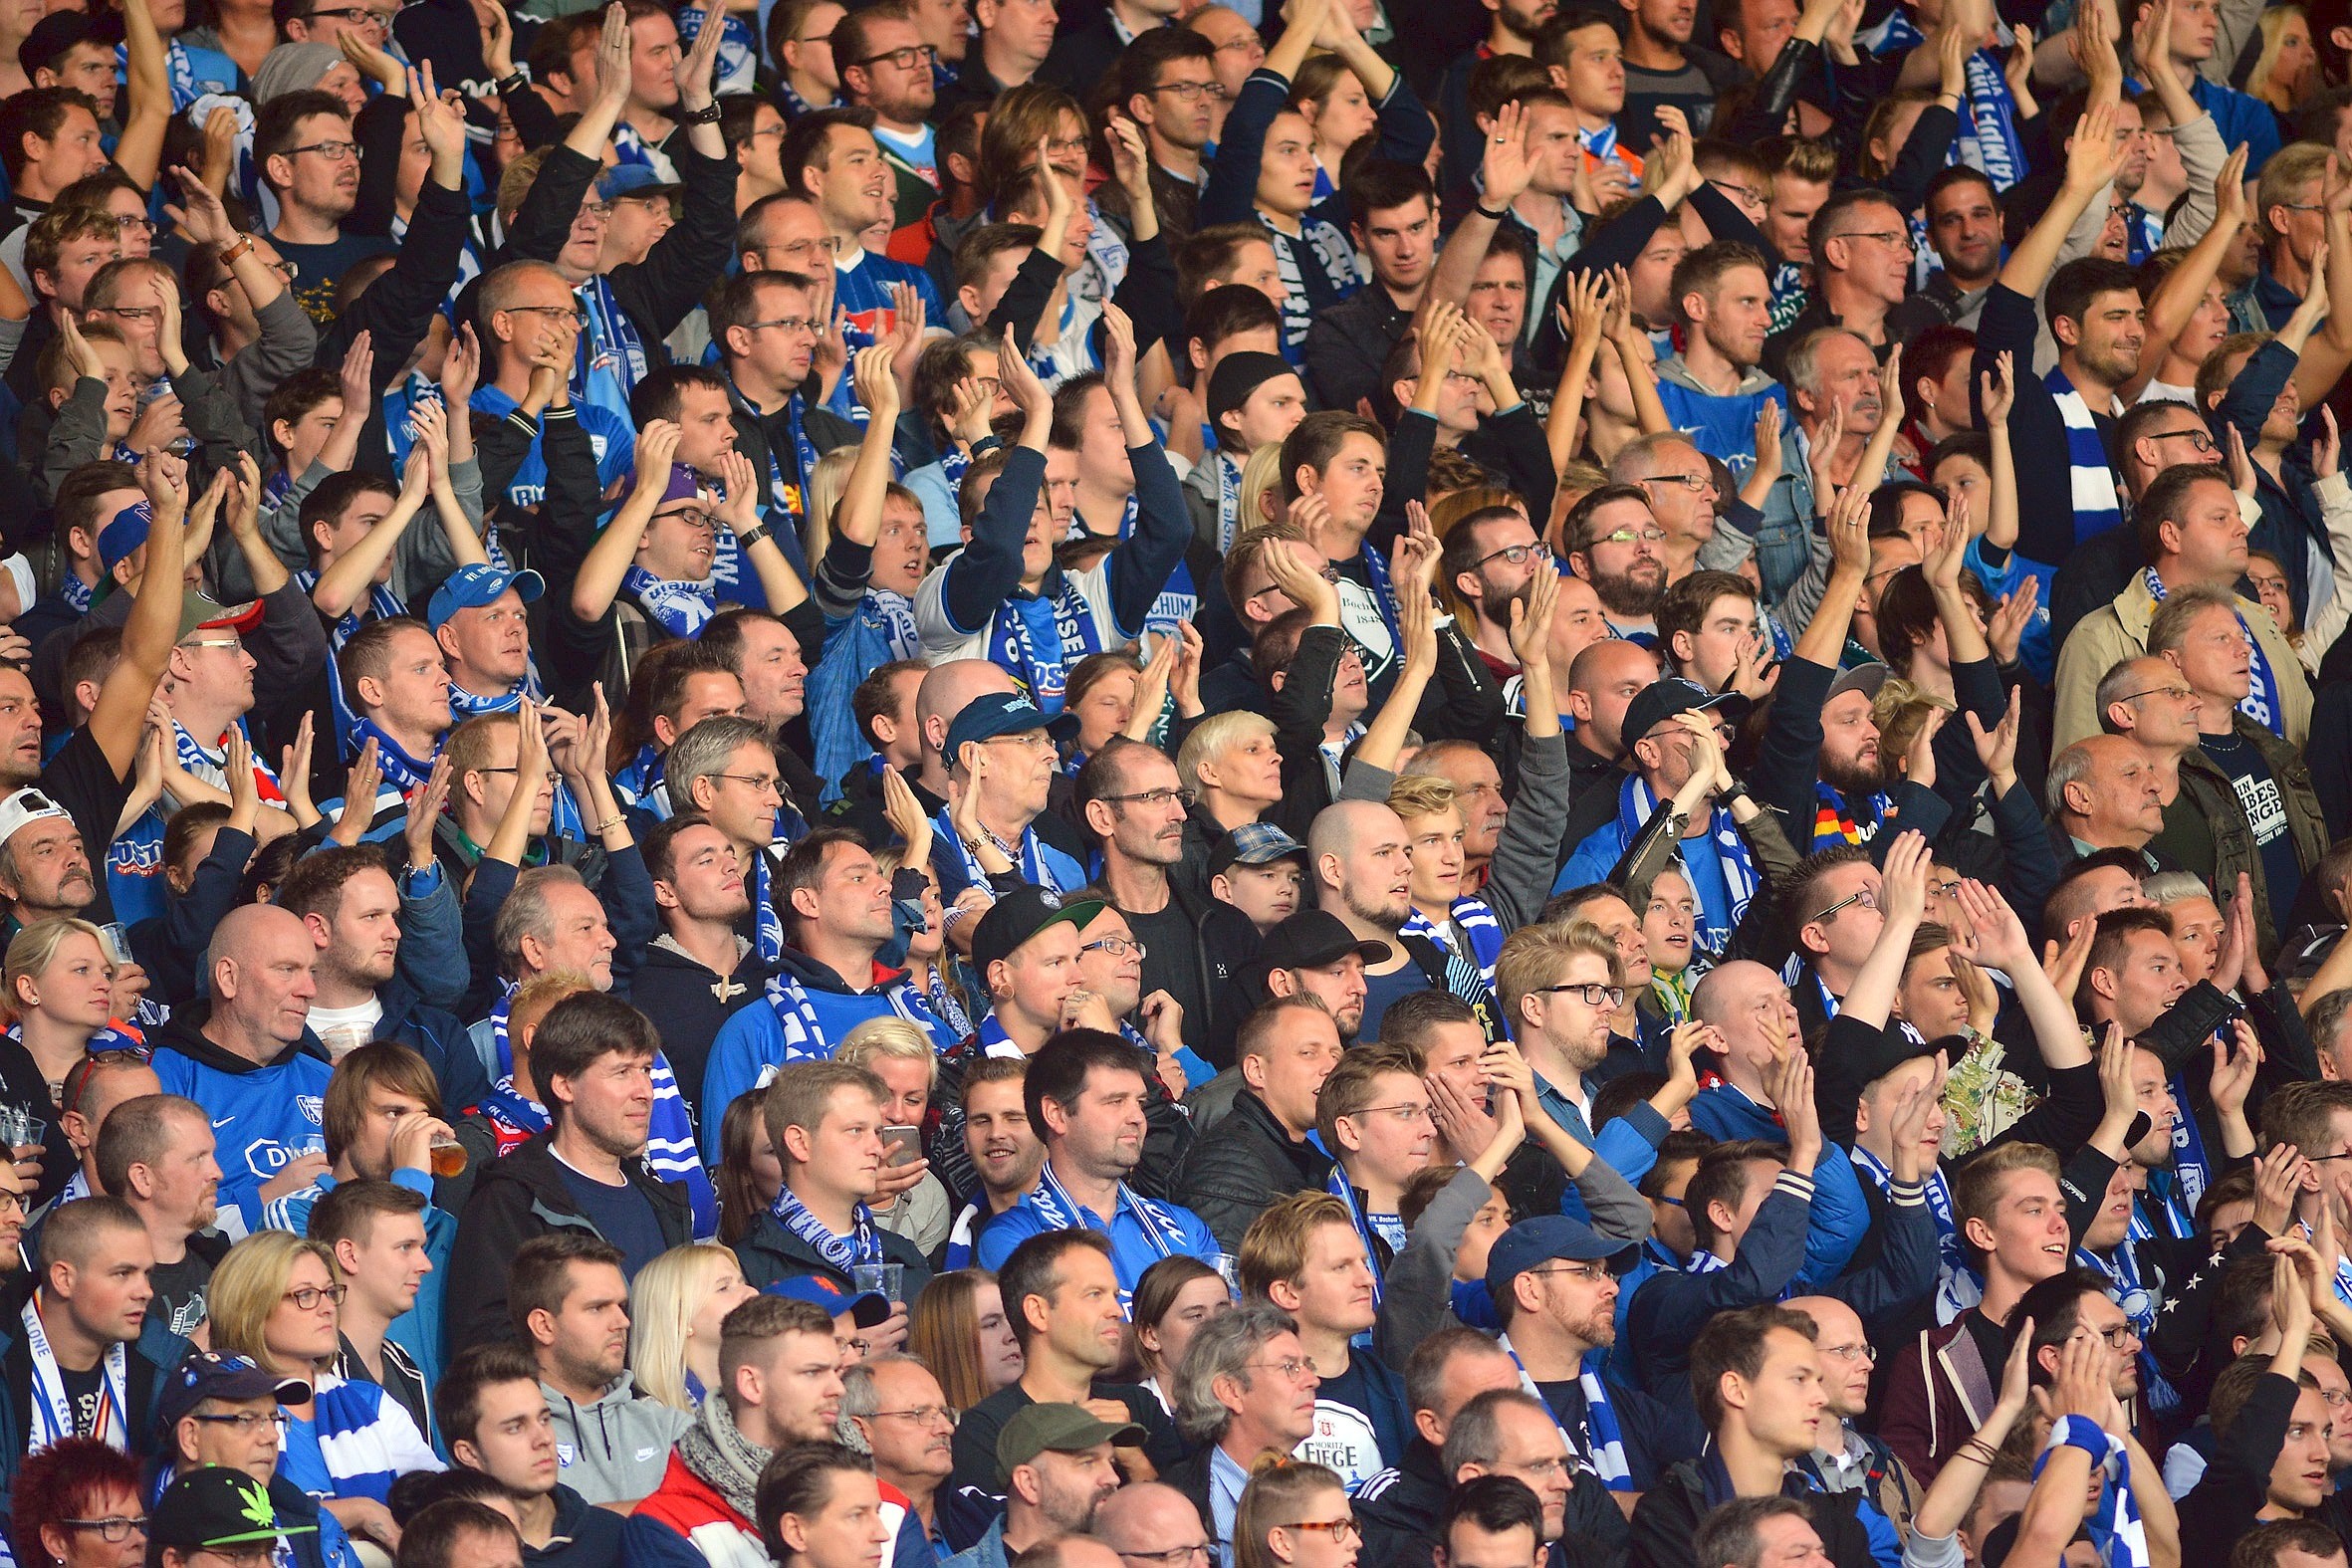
(897, 1139)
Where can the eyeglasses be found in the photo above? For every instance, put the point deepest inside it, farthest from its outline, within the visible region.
(1693, 483)
(757, 784)
(139, 314)
(1899, 238)
(1856, 1354)
(693, 516)
(1191, 91)
(335, 152)
(568, 312)
(1739, 192)
(1329, 574)
(2299, 206)
(2199, 439)
(788, 324)
(1517, 554)
(1152, 797)
(307, 1297)
(1594, 996)
(1629, 536)
(2117, 1337)
(598, 211)
(1292, 1367)
(132, 223)
(1588, 1272)
(214, 643)
(1341, 1531)
(2173, 692)
(1866, 897)
(550, 776)
(1248, 44)
(356, 15)
(245, 1421)
(78, 1079)
(1116, 946)
(1040, 742)
(906, 59)
(114, 1529)
(924, 1415)
(1173, 1555)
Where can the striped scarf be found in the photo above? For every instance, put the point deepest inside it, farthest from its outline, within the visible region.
(680, 609)
(1837, 822)
(1673, 991)
(1339, 1186)
(2115, 1524)
(1602, 1444)
(863, 1244)
(209, 765)
(1163, 1233)
(2090, 478)
(1635, 804)
(1957, 1287)
(805, 1038)
(1479, 924)
(2261, 700)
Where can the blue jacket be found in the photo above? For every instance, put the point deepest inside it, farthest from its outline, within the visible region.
(263, 1117)
(1840, 1217)
(752, 1042)
(1673, 1305)
(1131, 1253)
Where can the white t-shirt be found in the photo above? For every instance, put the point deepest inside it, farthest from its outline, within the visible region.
(345, 1030)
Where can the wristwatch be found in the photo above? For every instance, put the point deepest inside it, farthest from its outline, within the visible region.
(708, 115)
(748, 536)
(1738, 791)
(237, 249)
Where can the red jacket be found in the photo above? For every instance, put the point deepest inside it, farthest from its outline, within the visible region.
(1937, 1393)
(687, 1523)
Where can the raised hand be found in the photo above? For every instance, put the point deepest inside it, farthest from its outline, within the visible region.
(1848, 526)
(2279, 1178)
(1999, 389)
(1903, 881)
(1507, 169)
(657, 450)
(2328, 453)
(612, 59)
(356, 376)
(1996, 937)
(2233, 1074)
(2230, 203)
(201, 217)
(697, 71)
(1530, 617)
(425, 810)
(1020, 381)
(1130, 160)
(2063, 966)
(876, 382)
(441, 116)
(361, 783)
(2095, 156)
(1118, 347)
(373, 63)
(1998, 750)
(2007, 627)
(461, 370)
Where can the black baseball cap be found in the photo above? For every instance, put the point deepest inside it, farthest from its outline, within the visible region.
(214, 1506)
(1021, 915)
(1661, 700)
(1314, 938)
(207, 1374)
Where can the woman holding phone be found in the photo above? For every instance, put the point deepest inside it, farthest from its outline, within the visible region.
(911, 1200)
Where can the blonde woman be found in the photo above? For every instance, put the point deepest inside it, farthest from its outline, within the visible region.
(276, 1301)
(1262, 487)
(676, 1304)
(901, 1054)
(2287, 70)
(61, 993)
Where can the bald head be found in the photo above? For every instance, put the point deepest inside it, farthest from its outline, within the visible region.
(1604, 678)
(261, 981)
(1151, 1517)
(2107, 792)
(947, 690)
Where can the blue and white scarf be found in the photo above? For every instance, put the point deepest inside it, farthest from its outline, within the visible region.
(1988, 141)
(1163, 1233)
(2138, 1302)
(1636, 802)
(1957, 1287)
(1479, 926)
(805, 1038)
(767, 920)
(1014, 644)
(53, 1410)
(78, 593)
(1229, 502)
(2115, 1524)
(1036, 865)
(2263, 693)
(1601, 1446)
(1339, 1186)
(2090, 478)
(863, 1246)
(678, 608)
(401, 771)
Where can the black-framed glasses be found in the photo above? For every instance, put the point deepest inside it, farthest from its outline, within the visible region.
(356, 15)
(1152, 798)
(1116, 946)
(142, 314)
(1173, 1555)
(551, 776)
(1517, 554)
(906, 59)
(133, 223)
(1634, 536)
(1693, 483)
(1594, 996)
(1341, 1531)
(335, 152)
(114, 1529)
(1740, 192)
(2199, 439)
(1189, 92)
(2118, 1336)
(307, 1298)
(1866, 897)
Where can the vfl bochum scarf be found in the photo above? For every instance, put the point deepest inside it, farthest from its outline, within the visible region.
(1478, 924)
(680, 609)
(1015, 642)
(2261, 702)
(2090, 480)
(863, 1246)
(1604, 1446)
(2115, 1525)
(53, 1411)
(1636, 802)
(1956, 1286)
(1162, 1230)
(1339, 1186)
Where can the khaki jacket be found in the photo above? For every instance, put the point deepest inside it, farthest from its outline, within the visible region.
(2119, 631)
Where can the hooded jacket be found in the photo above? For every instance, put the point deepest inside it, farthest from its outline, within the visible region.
(516, 1198)
(689, 1005)
(617, 1448)
(754, 1041)
(263, 1117)
(584, 1537)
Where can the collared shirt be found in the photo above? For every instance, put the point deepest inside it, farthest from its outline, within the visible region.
(1225, 1481)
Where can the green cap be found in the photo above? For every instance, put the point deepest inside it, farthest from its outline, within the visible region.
(1056, 1429)
(214, 1506)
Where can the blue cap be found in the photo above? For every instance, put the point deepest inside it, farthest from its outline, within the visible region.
(989, 714)
(633, 179)
(865, 1309)
(472, 587)
(1255, 845)
(124, 533)
(1530, 1243)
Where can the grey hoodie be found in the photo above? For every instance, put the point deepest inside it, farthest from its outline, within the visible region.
(616, 1449)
